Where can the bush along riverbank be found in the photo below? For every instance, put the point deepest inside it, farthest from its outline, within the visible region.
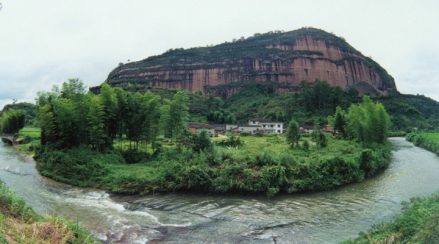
(431, 144)
(246, 169)
(133, 143)
(20, 224)
(419, 223)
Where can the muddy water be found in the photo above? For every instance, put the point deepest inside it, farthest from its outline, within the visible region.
(322, 217)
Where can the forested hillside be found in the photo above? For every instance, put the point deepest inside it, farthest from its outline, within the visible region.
(311, 103)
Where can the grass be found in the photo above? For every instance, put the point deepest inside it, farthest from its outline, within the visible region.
(31, 131)
(432, 135)
(20, 224)
(262, 164)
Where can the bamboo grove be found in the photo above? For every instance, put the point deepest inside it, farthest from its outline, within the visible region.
(70, 117)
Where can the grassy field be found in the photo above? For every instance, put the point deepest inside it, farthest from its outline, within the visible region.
(262, 164)
(433, 135)
(31, 131)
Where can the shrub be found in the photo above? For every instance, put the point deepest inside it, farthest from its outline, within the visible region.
(245, 134)
(134, 156)
(305, 146)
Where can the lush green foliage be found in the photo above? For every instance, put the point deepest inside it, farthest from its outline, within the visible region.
(293, 134)
(265, 165)
(410, 111)
(368, 122)
(13, 121)
(30, 109)
(313, 102)
(76, 126)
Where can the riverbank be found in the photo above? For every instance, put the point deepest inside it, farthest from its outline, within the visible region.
(259, 166)
(429, 142)
(19, 223)
(419, 221)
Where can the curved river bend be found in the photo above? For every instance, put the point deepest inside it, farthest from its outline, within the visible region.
(322, 217)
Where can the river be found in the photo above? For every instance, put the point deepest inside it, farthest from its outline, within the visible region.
(320, 217)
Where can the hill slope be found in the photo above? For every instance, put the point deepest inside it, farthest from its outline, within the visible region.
(282, 57)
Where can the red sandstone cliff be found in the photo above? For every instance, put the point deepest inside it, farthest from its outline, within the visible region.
(307, 56)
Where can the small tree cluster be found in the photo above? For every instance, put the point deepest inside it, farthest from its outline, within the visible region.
(367, 122)
(13, 121)
(293, 133)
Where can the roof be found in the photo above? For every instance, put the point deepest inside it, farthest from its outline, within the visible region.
(200, 126)
(205, 126)
(254, 126)
(307, 127)
(192, 123)
(310, 127)
(261, 120)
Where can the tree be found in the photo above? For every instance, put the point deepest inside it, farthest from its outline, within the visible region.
(47, 123)
(368, 122)
(202, 141)
(305, 146)
(96, 126)
(322, 140)
(293, 133)
(109, 105)
(340, 121)
(65, 120)
(178, 111)
(151, 124)
(165, 119)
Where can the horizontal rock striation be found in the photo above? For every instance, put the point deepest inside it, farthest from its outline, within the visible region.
(283, 57)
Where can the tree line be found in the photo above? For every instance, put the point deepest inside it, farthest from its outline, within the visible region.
(70, 117)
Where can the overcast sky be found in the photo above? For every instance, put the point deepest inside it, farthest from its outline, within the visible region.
(46, 42)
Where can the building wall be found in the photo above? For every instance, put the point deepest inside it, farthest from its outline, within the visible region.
(210, 131)
(277, 127)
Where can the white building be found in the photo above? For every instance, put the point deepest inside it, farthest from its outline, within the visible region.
(267, 126)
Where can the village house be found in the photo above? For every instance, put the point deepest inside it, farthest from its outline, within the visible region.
(244, 128)
(254, 125)
(310, 128)
(220, 129)
(196, 127)
(268, 126)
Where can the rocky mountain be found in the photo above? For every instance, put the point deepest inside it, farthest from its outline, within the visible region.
(285, 58)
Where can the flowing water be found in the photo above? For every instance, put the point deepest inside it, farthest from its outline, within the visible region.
(321, 217)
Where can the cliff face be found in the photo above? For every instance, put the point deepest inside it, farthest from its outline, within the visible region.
(286, 58)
